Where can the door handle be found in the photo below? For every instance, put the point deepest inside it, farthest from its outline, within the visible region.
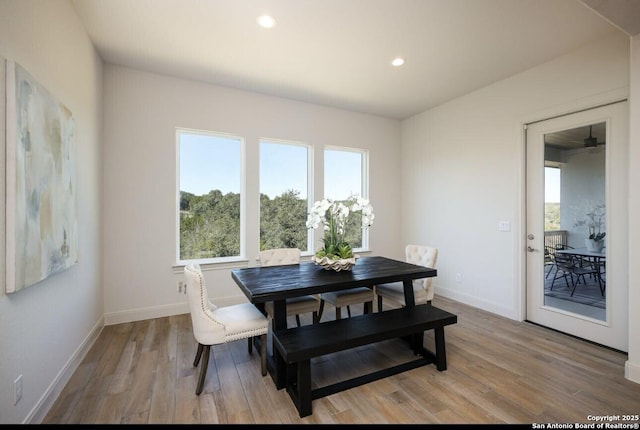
(530, 249)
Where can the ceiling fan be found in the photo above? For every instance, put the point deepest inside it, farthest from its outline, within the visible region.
(590, 142)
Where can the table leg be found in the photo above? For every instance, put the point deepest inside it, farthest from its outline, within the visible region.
(279, 368)
(409, 300)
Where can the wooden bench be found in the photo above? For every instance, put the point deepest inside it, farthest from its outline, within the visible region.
(297, 346)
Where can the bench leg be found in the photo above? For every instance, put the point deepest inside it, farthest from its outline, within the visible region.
(441, 354)
(304, 388)
(280, 369)
(292, 374)
(417, 343)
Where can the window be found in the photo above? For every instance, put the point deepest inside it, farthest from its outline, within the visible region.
(211, 196)
(551, 198)
(210, 205)
(284, 187)
(345, 174)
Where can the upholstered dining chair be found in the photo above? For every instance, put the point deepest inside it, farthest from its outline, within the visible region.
(295, 305)
(422, 288)
(213, 325)
(342, 298)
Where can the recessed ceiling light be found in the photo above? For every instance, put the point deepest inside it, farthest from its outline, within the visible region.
(266, 21)
(397, 61)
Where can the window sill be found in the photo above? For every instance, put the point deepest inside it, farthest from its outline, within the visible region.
(238, 262)
(209, 264)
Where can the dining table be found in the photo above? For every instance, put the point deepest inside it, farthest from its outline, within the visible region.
(278, 283)
(596, 258)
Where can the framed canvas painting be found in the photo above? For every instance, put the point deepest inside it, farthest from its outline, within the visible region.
(42, 237)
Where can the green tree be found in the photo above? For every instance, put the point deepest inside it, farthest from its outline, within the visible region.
(282, 221)
(551, 216)
(210, 223)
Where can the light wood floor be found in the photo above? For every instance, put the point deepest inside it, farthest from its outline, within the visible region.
(499, 371)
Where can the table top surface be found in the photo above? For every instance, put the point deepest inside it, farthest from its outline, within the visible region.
(582, 251)
(263, 284)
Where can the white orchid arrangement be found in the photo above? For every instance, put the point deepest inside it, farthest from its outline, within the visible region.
(333, 215)
(594, 222)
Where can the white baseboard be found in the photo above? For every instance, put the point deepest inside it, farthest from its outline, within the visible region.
(49, 397)
(145, 313)
(163, 311)
(485, 305)
(632, 371)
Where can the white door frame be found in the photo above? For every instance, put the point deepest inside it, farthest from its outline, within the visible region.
(616, 183)
(585, 103)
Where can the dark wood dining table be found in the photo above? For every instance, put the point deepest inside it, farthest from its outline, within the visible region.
(278, 283)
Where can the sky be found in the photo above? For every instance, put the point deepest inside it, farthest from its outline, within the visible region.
(551, 185)
(282, 167)
(204, 167)
(202, 164)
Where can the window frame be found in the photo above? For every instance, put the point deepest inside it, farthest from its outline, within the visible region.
(243, 197)
(364, 183)
(310, 183)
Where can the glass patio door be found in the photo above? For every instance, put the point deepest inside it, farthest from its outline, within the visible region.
(576, 189)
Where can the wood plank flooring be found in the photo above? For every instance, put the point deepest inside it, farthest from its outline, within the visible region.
(499, 371)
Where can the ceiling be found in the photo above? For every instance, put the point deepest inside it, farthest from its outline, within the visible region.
(624, 14)
(338, 52)
(575, 138)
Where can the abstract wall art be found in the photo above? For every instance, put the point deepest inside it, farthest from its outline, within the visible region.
(42, 232)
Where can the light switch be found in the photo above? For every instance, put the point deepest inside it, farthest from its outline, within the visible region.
(504, 226)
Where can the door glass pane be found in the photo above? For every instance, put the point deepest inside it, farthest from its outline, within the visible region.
(575, 221)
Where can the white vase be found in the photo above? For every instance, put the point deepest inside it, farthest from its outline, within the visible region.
(326, 263)
(593, 245)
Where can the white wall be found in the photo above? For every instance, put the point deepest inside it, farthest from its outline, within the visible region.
(461, 169)
(142, 111)
(463, 165)
(583, 185)
(45, 327)
(632, 366)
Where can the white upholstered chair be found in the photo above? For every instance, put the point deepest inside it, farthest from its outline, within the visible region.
(352, 296)
(422, 288)
(214, 325)
(295, 305)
